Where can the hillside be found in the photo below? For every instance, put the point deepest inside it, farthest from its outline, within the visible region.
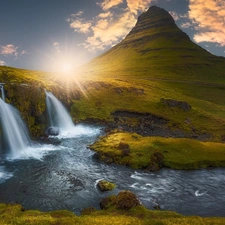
(157, 48)
(156, 60)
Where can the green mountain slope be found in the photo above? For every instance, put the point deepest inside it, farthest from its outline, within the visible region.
(156, 60)
(157, 48)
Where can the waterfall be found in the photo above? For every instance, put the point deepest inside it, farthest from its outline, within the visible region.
(2, 92)
(57, 113)
(15, 137)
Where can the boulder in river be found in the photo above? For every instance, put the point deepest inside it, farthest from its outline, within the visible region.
(105, 185)
(54, 131)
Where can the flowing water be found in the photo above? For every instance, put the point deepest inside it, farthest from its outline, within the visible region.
(15, 137)
(58, 115)
(64, 174)
(2, 92)
(66, 178)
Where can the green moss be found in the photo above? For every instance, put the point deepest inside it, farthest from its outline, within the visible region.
(12, 215)
(154, 152)
(97, 97)
(105, 185)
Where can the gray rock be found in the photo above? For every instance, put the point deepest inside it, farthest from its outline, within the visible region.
(54, 131)
(175, 103)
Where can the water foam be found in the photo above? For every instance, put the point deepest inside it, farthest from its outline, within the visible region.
(37, 151)
(4, 175)
(77, 131)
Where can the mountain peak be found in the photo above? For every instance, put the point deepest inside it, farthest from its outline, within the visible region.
(154, 17)
(154, 21)
(156, 47)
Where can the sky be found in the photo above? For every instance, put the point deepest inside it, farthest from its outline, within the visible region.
(50, 34)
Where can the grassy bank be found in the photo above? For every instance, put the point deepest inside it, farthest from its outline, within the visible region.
(141, 152)
(15, 215)
(95, 97)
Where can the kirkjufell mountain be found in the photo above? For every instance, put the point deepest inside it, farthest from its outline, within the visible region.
(157, 48)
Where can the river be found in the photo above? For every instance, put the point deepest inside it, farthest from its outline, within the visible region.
(64, 174)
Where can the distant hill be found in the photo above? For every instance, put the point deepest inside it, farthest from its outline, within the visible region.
(157, 48)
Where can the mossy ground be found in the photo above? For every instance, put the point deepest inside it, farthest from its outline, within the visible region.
(105, 96)
(95, 97)
(178, 153)
(13, 215)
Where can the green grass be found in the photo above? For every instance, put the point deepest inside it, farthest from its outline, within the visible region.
(207, 101)
(179, 153)
(98, 97)
(12, 215)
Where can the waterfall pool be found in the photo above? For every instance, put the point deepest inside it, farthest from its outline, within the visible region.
(66, 174)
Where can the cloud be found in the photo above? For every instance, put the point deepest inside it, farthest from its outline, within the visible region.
(186, 25)
(79, 25)
(106, 33)
(2, 63)
(177, 16)
(108, 4)
(24, 52)
(56, 46)
(79, 13)
(111, 25)
(174, 15)
(11, 50)
(105, 15)
(8, 50)
(209, 19)
(136, 6)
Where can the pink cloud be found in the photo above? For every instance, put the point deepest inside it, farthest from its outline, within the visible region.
(108, 4)
(8, 50)
(208, 17)
(136, 6)
(79, 25)
(108, 27)
(11, 50)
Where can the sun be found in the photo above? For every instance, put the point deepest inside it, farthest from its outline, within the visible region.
(66, 67)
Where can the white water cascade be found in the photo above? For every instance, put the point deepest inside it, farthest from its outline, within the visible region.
(15, 137)
(2, 92)
(57, 113)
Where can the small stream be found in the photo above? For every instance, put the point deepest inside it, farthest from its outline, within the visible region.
(63, 175)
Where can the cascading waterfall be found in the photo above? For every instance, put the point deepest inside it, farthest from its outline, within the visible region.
(2, 92)
(57, 113)
(15, 136)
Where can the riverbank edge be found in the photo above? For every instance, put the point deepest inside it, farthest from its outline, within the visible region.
(15, 214)
(152, 153)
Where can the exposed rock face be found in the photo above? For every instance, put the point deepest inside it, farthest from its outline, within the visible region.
(174, 103)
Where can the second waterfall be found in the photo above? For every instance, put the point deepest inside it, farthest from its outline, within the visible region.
(58, 116)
